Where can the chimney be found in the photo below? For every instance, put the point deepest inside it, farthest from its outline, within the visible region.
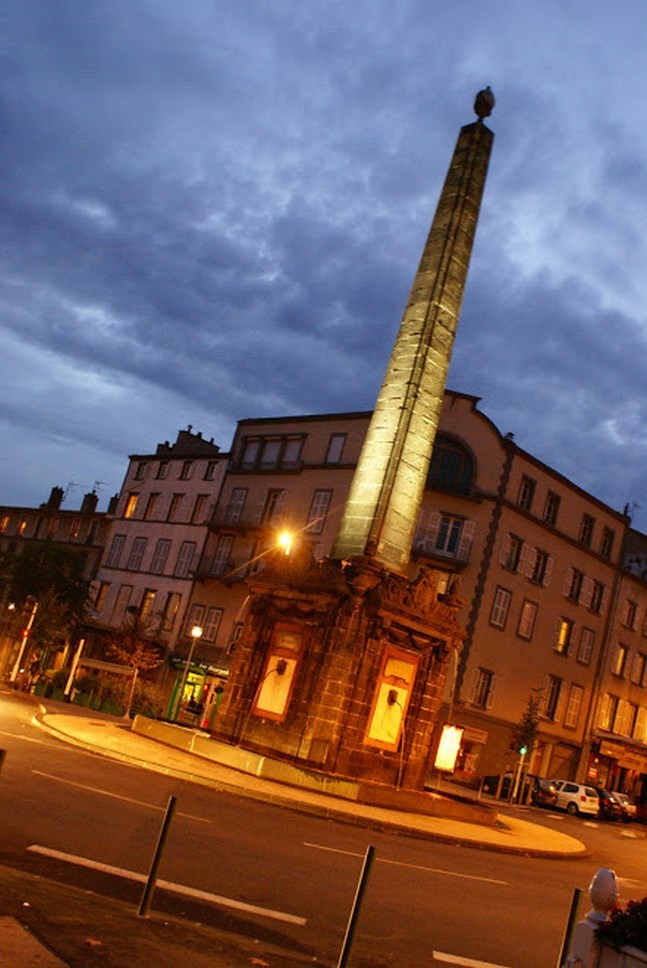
(89, 503)
(55, 499)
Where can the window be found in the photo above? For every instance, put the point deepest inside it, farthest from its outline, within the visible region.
(483, 686)
(638, 668)
(187, 470)
(236, 505)
(574, 589)
(526, 493)
(140, 471)
(619, 660)
(552, 694)
(540, 571)
(210, 472)
(451, 468)
(222, 558)
(170, 610)
(194, 617)
(512, 552)
(573, 706)
(116, 549)
(527, 617)
(626, 716)
(199, 508)
(551, 508)
(121, 604)
(184, 559)
(564, 636)
(318, 511)
(629, 614)
(449, 533)
(235, 636)
(211, 624)
(160, 555)
(162, 470)
(598, 596)
(608, 710)
(271, 452)
(273, 507)
(136, 554)
(4, 521)
(131, 505)
(606, 545)
(147, 602)
(75, 529)
(500, 607)
(585, 649)
(292, 452)
(175, 507)
(586, 530)
(151, 504)
(251, 448)
(335, 449)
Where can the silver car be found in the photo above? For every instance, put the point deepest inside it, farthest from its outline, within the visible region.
(577, 798)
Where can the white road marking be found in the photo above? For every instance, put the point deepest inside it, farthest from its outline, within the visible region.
(468, 962)
(168, 885)
(117, 796)
(416, 867)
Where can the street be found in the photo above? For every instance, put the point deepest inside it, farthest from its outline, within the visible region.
(79, 817)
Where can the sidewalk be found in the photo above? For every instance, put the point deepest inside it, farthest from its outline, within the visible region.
(45, 924)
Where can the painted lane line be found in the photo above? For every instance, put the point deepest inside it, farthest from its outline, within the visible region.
(117, 796)
(193, 892)
(467, 962)
(415, 867)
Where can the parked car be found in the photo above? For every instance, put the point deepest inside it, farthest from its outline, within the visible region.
(629, 810)
(542, 792)
(577, 798)
(610, 808)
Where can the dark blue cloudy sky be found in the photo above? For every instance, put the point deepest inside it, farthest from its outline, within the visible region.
(214, 210)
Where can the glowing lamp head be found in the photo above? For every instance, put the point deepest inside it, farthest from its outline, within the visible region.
(284, 541)
(196, 631)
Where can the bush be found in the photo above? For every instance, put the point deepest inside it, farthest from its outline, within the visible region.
(626, 926)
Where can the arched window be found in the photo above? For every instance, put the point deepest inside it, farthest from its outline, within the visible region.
(451, 467)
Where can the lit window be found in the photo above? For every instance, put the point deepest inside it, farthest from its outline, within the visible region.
(500, 607)
(148, 600)
(608, 710)
(619, 660)
(564, 636)
(131, 505)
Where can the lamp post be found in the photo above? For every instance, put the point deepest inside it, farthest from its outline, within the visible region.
(196, 633)
(23, 643)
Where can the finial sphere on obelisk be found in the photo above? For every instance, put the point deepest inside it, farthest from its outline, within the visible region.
(484, 103)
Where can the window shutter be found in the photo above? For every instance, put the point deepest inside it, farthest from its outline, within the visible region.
(505, 549)
(490, 696)
(587, 592)
(476, 675)
(549, 571)
(545, 694)
(639, 728)
(568, 578)
(527, 560)
(432, 530)
(561, 703)
(465, 544)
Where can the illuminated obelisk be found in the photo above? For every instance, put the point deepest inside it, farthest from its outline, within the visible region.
(386, 493)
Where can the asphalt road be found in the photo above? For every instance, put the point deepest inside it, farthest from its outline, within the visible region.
(77, 817)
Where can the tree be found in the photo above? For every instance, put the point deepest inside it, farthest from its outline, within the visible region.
(525, 732)
(133, 646)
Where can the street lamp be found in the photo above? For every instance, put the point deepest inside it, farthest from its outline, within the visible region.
(23, 643)
(196, 633)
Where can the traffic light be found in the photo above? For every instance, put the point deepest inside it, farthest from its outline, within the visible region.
(523, 750)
